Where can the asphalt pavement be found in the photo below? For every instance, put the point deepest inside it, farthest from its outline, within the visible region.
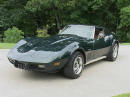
(99, 79)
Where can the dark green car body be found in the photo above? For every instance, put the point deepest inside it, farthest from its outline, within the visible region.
(31, 52)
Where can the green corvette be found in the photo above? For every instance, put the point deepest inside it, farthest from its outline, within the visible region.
(74, 47)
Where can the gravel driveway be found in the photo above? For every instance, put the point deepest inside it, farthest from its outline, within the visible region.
(99, 79)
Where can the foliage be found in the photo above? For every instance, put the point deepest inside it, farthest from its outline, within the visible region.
(27, 25)
(42, 33)
(124, 26)
(32, 15)
(123, 3)
(12, 35)
(0, 38)
(60, 13)
(12, 13)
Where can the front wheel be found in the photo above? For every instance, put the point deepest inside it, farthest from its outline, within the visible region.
(113, 53)
(74, 66)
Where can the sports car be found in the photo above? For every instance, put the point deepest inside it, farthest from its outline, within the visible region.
(74, 47)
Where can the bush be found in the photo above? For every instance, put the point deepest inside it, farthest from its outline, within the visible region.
(13, 35)
(42, 33)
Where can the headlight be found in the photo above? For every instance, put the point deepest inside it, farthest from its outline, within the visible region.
(11, 60)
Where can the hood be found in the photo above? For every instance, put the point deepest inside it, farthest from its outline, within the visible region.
(53, 43)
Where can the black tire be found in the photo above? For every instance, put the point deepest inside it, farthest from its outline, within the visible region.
(111, 56)
(69, 69)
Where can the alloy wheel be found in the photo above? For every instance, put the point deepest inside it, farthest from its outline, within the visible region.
(78, 65)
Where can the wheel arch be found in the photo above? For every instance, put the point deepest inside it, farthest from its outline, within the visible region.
(115, 41)
(81, 50)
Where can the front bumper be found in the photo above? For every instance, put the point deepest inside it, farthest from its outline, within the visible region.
(47, 67)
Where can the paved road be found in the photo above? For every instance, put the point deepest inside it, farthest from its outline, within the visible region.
(100, 79)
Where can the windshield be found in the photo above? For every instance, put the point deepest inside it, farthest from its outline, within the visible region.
(79, 30)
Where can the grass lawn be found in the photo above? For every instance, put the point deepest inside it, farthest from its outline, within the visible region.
(125, 43)
(6, 45)
(123, 95)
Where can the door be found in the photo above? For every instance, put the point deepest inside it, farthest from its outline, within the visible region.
(99, 43)
(88, 46)
(99, 47)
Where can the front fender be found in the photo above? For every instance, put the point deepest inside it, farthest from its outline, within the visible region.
(65, 54)
(113, 40)
(68, 51)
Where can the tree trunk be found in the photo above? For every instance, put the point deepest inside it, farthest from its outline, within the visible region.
(55, 11)
(57, 21)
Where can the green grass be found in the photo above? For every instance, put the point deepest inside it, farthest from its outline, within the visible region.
(6, 45)
(125, 43)
(123, 95)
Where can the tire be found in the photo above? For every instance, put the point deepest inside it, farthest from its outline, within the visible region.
(75, 66)
(112, 56)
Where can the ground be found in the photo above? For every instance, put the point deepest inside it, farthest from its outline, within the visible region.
(99, 79)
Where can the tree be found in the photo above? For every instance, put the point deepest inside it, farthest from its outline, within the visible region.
(45, 12)
(31, 15)
(62, 12)
(124, 27)
(13, 14)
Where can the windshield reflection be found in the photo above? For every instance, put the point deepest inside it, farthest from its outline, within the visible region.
(79, 30)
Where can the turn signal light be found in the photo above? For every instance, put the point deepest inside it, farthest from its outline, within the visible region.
(57, 64)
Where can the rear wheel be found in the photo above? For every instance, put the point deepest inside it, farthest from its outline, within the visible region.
(75, 66)
(113, 53)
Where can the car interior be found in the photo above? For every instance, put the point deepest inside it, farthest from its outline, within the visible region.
(99, 33)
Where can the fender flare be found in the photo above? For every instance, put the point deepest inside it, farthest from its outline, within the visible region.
(74, 48)
(80, 49)
(115, 41)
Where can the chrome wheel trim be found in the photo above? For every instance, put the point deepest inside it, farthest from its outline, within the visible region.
(115, 51)
(78, 65)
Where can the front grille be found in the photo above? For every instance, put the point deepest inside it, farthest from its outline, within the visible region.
(22, 66)
(25, 66)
